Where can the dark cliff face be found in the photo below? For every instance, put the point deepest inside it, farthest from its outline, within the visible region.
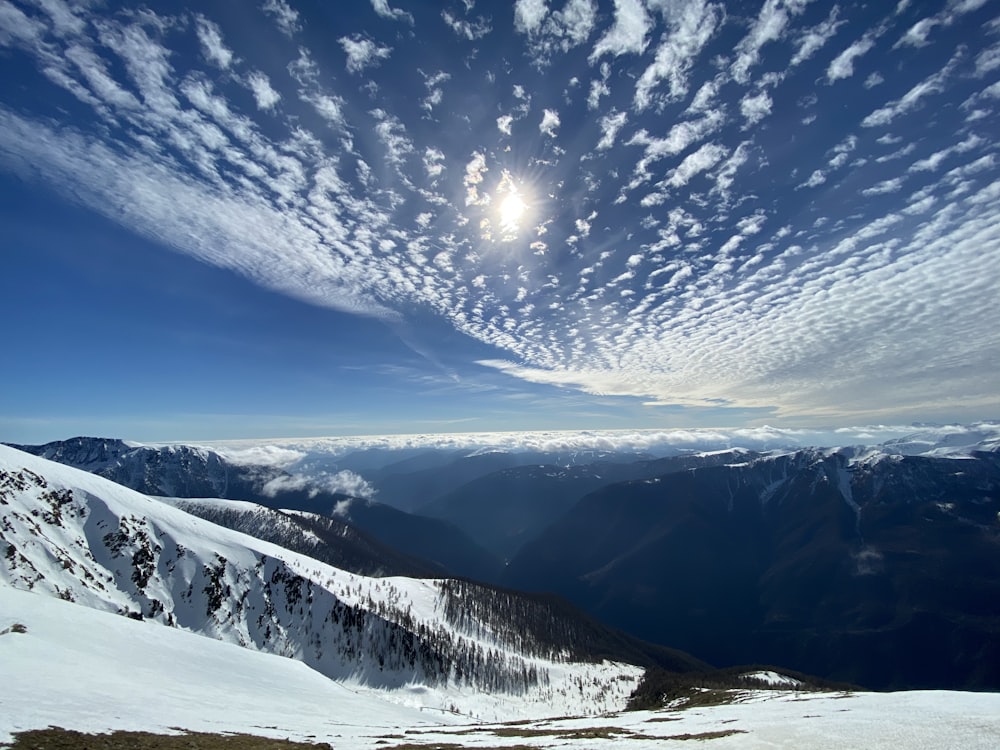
(89, 453)
(172, 471)
(880, 572)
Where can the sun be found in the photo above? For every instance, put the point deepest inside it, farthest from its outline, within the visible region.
(512, 209)
(512, 206)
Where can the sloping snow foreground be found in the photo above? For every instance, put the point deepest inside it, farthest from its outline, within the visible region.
(93, 671)
(82, 669)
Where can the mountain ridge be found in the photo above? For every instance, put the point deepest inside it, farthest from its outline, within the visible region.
(185, 471)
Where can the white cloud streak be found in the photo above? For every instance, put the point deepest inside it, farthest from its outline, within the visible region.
(362, 53)
(529, 14)
(550, 123)
(611, 125)
(814, 39)
(212, 45)
(770, 26)
(628, 35)
(842, 65)
(286, 17)
(692, 25)
(265, 96)
(383, 9)
(931, 85)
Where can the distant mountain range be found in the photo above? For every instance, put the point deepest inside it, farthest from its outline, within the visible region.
(874, 569)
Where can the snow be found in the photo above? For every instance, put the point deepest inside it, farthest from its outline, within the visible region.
(93, 671)
(772, 678)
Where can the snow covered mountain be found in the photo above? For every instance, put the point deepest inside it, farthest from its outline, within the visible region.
(81, 538)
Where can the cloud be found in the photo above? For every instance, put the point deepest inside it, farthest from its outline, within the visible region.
(284, 16)
(770, 26)
(362, 52)
(528, 15)
(574, 23)
(391, 131)
(842, 65)
(814, 39)
(599, 87)
(275, 456)
(474, 172)
(873, 80)
(549, 123)
(610, 125)
(817, 178)
(433, 165)
(552, 33)
(701, 160)
(342, 483)
(916, 36)
(305, 72)
(935, 160)
(886, 186)
(629, 33)
(471, 30)
(931, 85)
(393, 14)
(691, 26)
(726, 175)
(212, 46)
(681, 136)
(233, 230)
(265, 96)
(435, 92)
(504, 124)
(755, 107)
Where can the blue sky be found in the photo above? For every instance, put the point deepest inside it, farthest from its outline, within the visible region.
(236, 220)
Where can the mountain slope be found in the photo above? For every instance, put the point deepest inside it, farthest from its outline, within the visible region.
(79, 537)
(836, 564)
(324, 538)
(92, 671)
(505, 509)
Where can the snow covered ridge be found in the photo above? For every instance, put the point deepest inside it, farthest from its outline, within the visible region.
(72, 535)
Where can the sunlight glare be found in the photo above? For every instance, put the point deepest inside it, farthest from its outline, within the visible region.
(511, 210)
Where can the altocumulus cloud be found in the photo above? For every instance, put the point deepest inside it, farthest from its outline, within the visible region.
(731, 218)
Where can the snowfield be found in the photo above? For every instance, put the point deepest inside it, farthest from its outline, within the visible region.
(93, 671)
(79, 668)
